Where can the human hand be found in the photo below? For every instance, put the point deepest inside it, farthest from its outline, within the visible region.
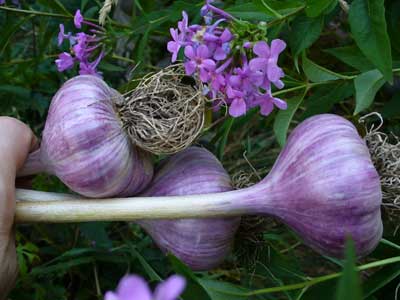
(16, 141)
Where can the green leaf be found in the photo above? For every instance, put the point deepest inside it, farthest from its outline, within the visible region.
(325, 97)
(194, 290)
(392, 108)
(266, 8)
(249, 12)
(218, 290)
(380, 279)
(9, 31)
(367, 85)
(304, 33)
(56, 5)
(317, 73)
(352, 56)
(349, 287)
(368, 26)
(316, 7)
(284, 117)
(224, 139)
(97, 233)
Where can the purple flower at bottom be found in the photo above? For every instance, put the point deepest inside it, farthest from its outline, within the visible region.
(78, 19)
(64, 62)
(133, 287)
(199, 59)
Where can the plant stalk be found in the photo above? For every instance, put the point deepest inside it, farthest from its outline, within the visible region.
(33, 207)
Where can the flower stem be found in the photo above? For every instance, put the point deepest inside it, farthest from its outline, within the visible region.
(52, 15)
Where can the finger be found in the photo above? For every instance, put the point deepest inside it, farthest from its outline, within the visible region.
(16, 141)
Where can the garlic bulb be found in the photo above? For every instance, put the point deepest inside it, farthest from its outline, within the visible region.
(201, 243)
(85, 146)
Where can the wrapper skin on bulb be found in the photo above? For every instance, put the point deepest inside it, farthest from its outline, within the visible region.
(84, 145)
(201, 243)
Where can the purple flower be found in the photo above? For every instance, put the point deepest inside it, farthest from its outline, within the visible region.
(89, 68)
(220, 44)
(245, 78)
(15, 2)
(267, 102)
(81, 47)
(64, 62)
(199, 59)
(267, 60)
(62, 35)
(183, 25)
(133, 287)
(175, 45)
(238, 106)
(208, 8)
(78, 19)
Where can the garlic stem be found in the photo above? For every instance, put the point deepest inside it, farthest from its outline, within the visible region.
(54, 208)
(33, 165)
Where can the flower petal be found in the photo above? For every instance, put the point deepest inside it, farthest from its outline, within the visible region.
(190, 67)
(279, 103)
(174, 34)
(219, 54)
(226, 36)
(266, 108)
(279, 84)
(111, 296)
(208, 64)
(277, 46)
(203, 52)
(237, 107)
(274, 73)
(189, 52)
(170, 289)
(133, 287)
(257, 64)
(78, 19)
(261, 49)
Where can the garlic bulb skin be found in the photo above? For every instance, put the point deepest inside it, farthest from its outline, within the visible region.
(85, 146)
(201, 243)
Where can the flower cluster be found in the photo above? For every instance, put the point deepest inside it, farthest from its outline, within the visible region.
(83, 47)
(235, 64)
(133, 287)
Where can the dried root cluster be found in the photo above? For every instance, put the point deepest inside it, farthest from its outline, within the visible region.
(385, 154)
(165, 112)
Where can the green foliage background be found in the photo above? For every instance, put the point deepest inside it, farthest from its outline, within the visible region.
(341, 61)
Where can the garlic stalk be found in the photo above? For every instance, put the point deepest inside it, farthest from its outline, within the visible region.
(323, 185)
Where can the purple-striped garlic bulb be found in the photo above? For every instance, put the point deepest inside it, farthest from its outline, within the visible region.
(201, 243)
(84, 144)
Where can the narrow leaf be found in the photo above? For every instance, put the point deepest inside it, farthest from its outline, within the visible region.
(368, 26)
(349, 287)
(367, 85)
(284, 117)
(317, 73)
